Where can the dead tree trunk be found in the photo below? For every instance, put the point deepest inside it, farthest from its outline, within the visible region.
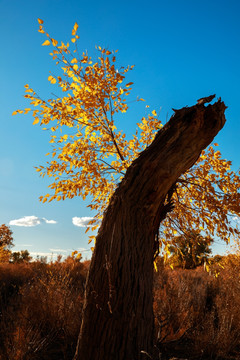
(118, 320)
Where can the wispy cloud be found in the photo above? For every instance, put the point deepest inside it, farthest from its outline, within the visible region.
(36, 253)
(59, 250)
(52, 254)
(49, 221)
(82, 221)
(29, 221)
(83, 249)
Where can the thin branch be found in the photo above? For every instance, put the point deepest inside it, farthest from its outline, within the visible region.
(112, 136)
(110, 166)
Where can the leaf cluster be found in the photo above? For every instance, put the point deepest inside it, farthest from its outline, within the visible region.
(90, 155)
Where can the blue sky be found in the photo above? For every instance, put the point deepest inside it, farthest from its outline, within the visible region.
(182, 50)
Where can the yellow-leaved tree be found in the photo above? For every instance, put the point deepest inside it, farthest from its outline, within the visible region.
(162, 175)
(6, 242)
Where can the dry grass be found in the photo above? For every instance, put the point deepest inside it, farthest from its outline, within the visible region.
(197, 314)
(42, 319)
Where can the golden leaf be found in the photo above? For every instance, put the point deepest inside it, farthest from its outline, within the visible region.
(52, 79)
(54, 42)
(75, 26)
(155, 266)
(46, 43)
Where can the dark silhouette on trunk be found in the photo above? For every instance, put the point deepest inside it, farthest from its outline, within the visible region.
(118, 321)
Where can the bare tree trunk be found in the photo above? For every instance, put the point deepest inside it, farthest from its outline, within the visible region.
(118, 320)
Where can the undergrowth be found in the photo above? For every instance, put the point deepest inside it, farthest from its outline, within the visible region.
(197, 314)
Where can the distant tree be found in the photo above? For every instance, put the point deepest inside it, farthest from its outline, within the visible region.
(20, 256)
(6, 239)
(190, 250)
(6, 242)
(41, 259)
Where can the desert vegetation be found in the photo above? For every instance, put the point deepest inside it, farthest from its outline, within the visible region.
(197, 313)
(41, 307)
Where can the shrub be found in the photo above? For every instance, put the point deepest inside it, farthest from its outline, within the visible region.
(46, 316)
(195, 310)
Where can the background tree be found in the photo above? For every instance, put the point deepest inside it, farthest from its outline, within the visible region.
(91, 157)
(189, 250)
(20, 256)
(6, 242)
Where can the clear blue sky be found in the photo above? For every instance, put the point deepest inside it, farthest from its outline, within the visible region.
(182, 50)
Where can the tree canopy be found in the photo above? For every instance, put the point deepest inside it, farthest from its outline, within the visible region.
(6, 242)
(189, 250)
(90, 155)
(20, 256)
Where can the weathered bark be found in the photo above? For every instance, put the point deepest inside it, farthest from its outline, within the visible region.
(118, 320)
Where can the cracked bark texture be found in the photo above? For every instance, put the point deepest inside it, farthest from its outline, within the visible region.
(118, 321)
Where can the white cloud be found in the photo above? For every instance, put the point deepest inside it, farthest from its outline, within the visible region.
(36, 253)
(32, 220)
(53, 254)
(237, 219)
(82, 221)
(83, 249)
(59, 250)
(66, 252)
(49, 221)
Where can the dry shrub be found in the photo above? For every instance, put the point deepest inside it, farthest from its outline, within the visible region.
(198, 315)
(47, 318)
(12, 277)
(225, 335)
(179, 303)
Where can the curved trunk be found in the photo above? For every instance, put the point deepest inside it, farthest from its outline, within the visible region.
(118, 321)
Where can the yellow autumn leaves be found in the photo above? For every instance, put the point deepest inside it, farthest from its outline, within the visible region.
(207, 198)
(90, 155)
(52, 79)
(46, 43)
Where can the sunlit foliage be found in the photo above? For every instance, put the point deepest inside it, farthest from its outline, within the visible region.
(6, 242)
(90, 155)
(189, 250)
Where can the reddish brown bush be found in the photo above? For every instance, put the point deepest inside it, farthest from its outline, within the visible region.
(197, 314)
(45, 320)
